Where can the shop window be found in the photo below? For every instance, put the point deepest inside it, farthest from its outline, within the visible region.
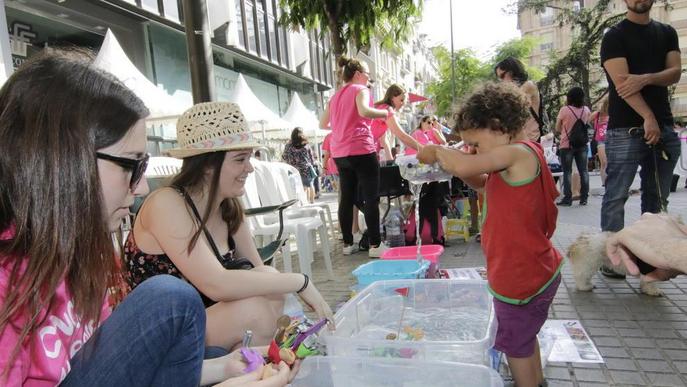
(171, 9)
(240, 27)
(151, 6)
(250, 27)
(262, 37)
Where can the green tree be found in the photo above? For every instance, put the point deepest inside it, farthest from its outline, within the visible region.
(577, 66)
(389, 20)
(471, 71)
(468, 69)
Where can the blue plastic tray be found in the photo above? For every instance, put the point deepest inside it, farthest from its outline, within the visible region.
(390, 270)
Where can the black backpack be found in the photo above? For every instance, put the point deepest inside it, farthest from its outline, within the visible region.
(578, 135)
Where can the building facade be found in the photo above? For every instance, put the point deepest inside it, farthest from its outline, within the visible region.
(553, 38)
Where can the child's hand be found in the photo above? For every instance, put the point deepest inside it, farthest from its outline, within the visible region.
(427, 154)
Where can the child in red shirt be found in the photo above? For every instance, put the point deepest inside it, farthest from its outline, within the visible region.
(519, 218)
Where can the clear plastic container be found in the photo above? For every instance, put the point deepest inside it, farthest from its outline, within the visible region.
(456, 317)
(333, 371)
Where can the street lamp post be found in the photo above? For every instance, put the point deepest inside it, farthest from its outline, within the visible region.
(199, 49)
(453, 70)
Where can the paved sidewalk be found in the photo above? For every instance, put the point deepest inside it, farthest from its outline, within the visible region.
(642, 338)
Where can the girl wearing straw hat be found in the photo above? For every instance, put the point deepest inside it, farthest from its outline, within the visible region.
(195, 230)
(72, 160)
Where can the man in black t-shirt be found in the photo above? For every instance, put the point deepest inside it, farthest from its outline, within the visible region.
(641, 58)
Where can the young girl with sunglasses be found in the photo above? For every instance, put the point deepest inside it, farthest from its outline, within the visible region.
(71, 160)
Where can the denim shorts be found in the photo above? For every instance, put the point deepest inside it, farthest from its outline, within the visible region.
(519, 324)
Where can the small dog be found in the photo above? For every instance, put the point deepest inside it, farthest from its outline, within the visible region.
(588, 253)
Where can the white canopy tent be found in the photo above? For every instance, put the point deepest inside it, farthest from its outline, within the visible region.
(259, 116)
(301, 116)
(114, 60)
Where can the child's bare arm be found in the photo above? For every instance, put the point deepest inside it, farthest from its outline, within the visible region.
(465, 165)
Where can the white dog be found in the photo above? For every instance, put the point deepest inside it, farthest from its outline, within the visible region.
(586, 256)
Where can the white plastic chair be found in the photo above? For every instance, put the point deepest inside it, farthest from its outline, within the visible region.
(302, 228)
(160, 166)
(291, 187)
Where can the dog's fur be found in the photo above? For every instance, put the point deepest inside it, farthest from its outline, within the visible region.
(588, 253)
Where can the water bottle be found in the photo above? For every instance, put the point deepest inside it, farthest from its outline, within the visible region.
(394, 236)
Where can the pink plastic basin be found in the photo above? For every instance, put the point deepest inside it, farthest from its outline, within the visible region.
(428, 252)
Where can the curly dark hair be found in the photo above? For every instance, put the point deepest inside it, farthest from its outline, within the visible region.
(501, 107)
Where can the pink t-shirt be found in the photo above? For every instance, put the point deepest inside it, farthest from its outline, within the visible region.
(424, 137)
(600, 125)
(351, 133)
(327, 147)
(379, 127)
(567, 118)
(44, 359)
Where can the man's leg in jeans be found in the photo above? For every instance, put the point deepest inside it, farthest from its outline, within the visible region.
(624, 153)
(654, 162)
(367, 169)
(155, 337)
(348, 184)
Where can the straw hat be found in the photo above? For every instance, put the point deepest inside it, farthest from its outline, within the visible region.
(212, 127)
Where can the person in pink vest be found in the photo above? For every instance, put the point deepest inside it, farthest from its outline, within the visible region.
(394, 98)
(426, 133)
(599, 120)
(73, 156)
(519, 218)
(350, 114)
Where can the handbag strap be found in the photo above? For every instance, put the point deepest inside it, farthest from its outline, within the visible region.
(211, 241)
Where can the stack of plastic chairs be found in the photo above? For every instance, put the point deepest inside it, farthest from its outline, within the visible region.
(304, 223)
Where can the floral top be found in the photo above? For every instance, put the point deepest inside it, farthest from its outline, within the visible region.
(141, 266)
(300, 158)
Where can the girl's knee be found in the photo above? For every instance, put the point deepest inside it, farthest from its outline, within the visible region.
(164, 289)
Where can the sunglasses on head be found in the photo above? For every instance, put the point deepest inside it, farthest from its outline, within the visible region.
(137, 167)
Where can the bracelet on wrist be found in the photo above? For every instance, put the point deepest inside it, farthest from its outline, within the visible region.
(305, 283)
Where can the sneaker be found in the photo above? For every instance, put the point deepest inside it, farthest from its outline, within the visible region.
(350, 249)
(583, 202)
(610, 273)
(564, 203)
(376, 252)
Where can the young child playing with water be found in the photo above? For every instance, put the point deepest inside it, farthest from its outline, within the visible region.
(519, 218)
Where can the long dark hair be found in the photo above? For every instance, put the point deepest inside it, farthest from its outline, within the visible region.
(348, 67)
(298, 139)
(575, 97)
(515, 67)
(392, 91)
(56, 110)
(198, 171)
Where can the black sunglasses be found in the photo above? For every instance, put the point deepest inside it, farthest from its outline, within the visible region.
(137, 167)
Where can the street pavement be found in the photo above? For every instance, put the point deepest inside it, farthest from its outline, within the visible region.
(642, 339)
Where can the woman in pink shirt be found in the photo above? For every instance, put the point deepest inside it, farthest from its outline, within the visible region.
(599, 120)
(73, 159)
(573, 110)
(426, 133)
(394, 98)
(350, 115)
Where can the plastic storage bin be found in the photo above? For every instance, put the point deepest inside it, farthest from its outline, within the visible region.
(432, 253)
(456, 316)
(387, 270)
(332, 371)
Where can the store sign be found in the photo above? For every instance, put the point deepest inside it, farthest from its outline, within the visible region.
(21, 37)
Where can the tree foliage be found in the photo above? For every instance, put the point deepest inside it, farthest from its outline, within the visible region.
(391, 21)
(471, 71)
(579, 65)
